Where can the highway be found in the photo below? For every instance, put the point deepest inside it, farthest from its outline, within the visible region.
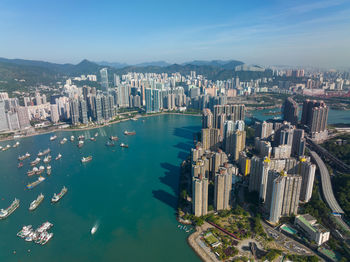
(326, 185)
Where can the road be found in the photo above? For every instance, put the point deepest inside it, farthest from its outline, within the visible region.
(326, 185)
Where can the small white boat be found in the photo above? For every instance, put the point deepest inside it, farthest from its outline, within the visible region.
(94, 229)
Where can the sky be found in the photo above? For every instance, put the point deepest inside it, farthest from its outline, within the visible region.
(270, 32)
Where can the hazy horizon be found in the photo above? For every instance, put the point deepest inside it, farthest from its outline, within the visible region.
(266, 33)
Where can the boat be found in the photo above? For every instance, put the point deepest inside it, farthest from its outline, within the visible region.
(52, 138)
(35, 162)
(35, 183)
(113, 138)
(31, 172)
(38, 236)
(48, 170)
(124, 145)
(45, 152)
(94, 229)
(36, 202)
(127, 133)
(58, 157)
(92, 138)
(80, 143)
(109, 143)
(4, 213)
(39, 170)
(96, 134)
(134, 119)
(16, 145)
(6, 148)
(63, 141)
(72, 138)
(86, 159)
(47, 159)
(25, 156)
(57, 197)
(20, 164)
(81, 137)
(24, 231)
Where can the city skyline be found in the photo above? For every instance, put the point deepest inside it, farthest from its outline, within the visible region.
(269, 33)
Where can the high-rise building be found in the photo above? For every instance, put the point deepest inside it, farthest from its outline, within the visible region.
(290, 111)
(55, 117)
(259, 169)
(307, 172)
(152, 100)
(123, 95)
(299, 143)
(238, 145)
(74, 111)
(315, 117)
(116, 80)
(222, 189)
(104, 79)
(199, 196)
(264, 129)
(83, 111)
(210, 138)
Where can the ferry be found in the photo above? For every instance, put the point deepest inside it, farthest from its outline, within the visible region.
(47, 159)
(25, 156)
(4, 213)
(35, 162)
(124, 145)
(6, 148)
(127, 133)
(20, 164)
(113, 138)
(72, 138)
(36, 202)
(86, 159)
(58, 157)
(57, 197)
(35, 183)
(63, 141)
(16, 145)
(45, 152)
(80, 143)
(52, 138)
(81, 137)
(48, 170)
(108, 143)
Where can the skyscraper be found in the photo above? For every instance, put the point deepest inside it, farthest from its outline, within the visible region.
(74, 111)
(210, 138)
(307, 172)
(83, 111)
(222, 189)
(199, 196)
(123, 96)
(315, 117)
(104, 79)
(238, 138)
(290, 111)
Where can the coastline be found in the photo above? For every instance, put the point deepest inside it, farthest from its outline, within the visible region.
(92, 127)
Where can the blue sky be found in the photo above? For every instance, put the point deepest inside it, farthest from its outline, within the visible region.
(315, 33)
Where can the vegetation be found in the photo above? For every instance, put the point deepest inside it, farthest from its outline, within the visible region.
(272, 255)
(341, 150)
(296, 258)
(342, 191)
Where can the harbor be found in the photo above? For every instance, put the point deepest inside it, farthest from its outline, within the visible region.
(110, 179)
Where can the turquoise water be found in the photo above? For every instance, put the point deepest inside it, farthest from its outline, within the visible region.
(129, 192)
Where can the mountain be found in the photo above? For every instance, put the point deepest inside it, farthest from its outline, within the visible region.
(155, 63)
(228, 64)
(112, 64)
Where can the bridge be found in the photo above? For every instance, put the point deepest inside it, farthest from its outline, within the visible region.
(326, 155)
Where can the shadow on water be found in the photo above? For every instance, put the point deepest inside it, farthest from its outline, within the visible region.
(183, 132)
(165, 197)
(182, 155)
(184, 146)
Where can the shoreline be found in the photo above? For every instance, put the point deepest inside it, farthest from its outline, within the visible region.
(92, 127)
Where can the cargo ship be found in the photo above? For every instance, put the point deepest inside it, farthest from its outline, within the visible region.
(127, 133)
(36, 202)
(113, 138)
(35, 162)
(63, 141)
(57, 197)
(25, 156)
(45, 152)
(48, 170)
(35, 183)
(52, 138)
(86, 159)
(16, 145)
(124, 145)
(4, 213)
(47, 159)
(58, 157)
